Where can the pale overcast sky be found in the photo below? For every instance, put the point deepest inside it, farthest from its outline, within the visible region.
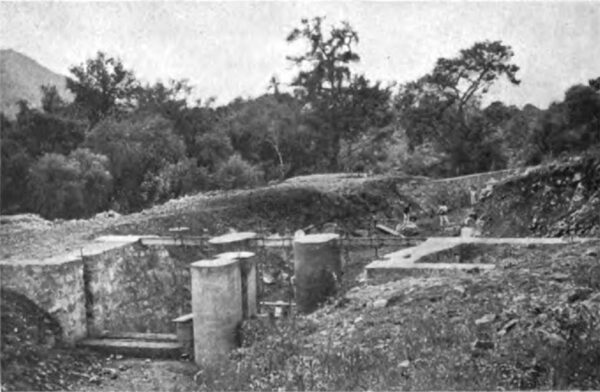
(230, 49)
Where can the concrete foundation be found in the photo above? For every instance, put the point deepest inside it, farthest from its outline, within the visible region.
(317, 268)
(217, 308)
(248, 270)
(411, 262)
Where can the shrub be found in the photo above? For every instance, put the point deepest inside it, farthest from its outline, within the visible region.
(69, 187)
(139, 148)
(237, 173)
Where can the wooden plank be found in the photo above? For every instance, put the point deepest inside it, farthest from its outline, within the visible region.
(388, 230)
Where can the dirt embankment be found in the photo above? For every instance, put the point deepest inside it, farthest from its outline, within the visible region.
(289, 206)
(556, 200)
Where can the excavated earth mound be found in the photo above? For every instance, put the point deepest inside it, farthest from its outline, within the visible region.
(562, 199)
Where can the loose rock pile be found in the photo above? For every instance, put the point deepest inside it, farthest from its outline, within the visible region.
(557, 200)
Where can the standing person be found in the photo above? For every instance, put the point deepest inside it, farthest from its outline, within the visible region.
(473, 194)
(443, 213)
(406, 213)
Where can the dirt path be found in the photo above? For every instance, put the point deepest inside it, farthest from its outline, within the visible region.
(143, 375)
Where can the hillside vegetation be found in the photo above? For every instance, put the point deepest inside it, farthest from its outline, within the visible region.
(115, 142)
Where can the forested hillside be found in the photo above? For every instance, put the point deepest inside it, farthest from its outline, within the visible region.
(124, 144)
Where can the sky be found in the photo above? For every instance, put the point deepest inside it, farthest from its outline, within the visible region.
(231, 49)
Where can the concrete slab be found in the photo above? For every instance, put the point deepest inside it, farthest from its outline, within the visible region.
(134, 347)
(147, 336)
(406, 261)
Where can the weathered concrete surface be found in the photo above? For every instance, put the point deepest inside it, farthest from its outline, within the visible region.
(135, 288)
(217, 308)
(57, 285)
(412, 261)
(248, 269)
(317, 269)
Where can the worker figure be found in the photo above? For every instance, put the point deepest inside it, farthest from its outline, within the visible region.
(473, 194)
(443, 214)
(406, 213)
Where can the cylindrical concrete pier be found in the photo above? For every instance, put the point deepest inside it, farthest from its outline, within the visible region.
(234, 242)
(318, 268)
(217, 308)
(248, 269)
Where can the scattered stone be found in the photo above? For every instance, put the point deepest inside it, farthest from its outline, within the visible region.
(483, 345)
(509, 262)
(95, 380)
(409, 229)
(580, 294)
(552, 339)
(361, 233)
(507, 327)
(380, 303)
(268, 278)
(559, 277)
(488, 318)
(460, 289)
(404, 364)
(591, 253)
(112, 373)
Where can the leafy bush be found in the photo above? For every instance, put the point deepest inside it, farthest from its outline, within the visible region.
(139, 149)
(173, 180)
(237, 173)
(70, 187)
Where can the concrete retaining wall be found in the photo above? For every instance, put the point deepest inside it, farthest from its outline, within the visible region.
(117, 284)
(136, 288)
(57, 287)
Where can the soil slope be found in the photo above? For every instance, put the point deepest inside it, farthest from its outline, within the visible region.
(556, 200)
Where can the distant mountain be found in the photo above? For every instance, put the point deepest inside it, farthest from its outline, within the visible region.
(21, 78)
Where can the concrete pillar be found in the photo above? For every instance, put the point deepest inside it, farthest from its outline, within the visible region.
(217, 308)
(248, 269)
(317, 269)
(233, 242)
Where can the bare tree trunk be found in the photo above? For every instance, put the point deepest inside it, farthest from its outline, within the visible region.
(279, 158)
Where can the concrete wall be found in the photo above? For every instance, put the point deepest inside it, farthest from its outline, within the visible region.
(117, 284)
(136, 288)
(55, 286)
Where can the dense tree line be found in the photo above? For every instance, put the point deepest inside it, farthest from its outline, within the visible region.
(125, 145)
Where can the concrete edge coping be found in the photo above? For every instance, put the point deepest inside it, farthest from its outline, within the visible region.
(214, 263)
(232, 237)
(90, 249)
(235, 255)
(316, 238)
(184, 319)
